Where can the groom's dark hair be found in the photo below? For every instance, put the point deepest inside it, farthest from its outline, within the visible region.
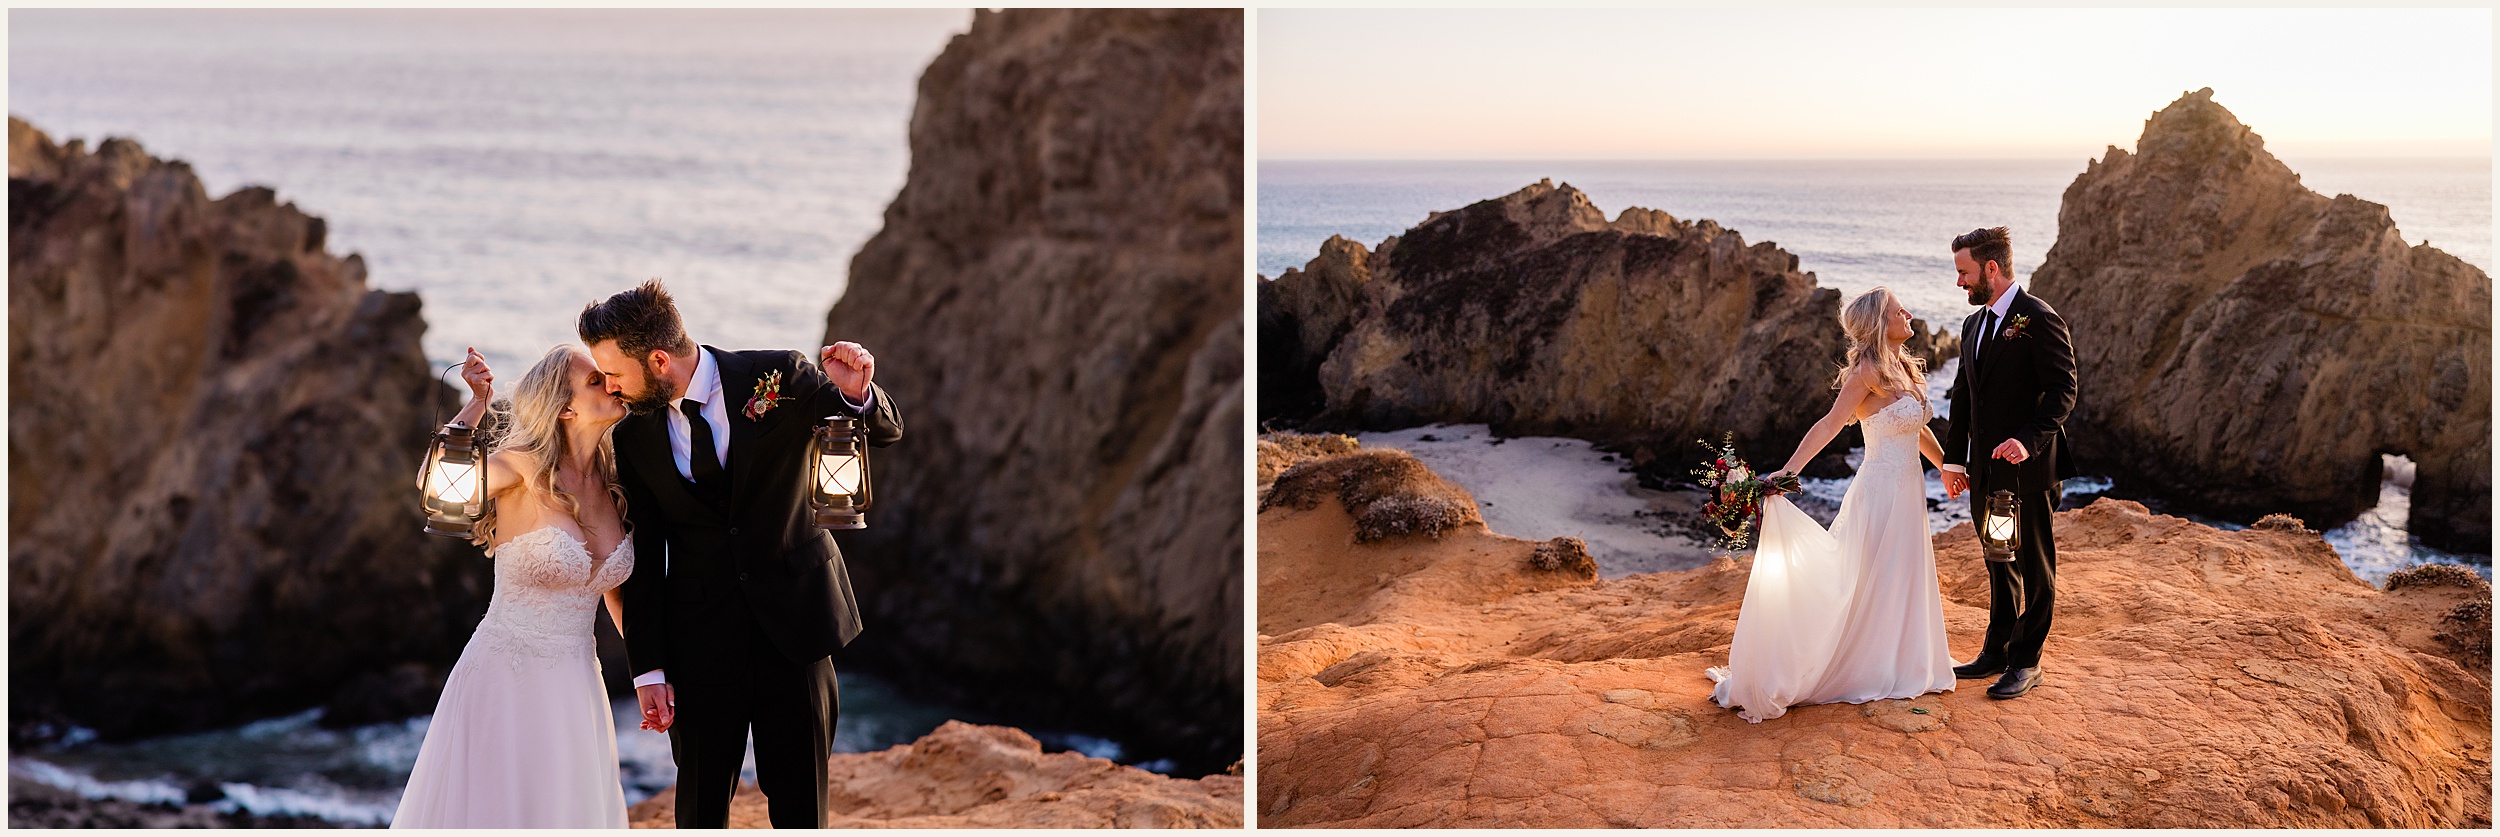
(1994, 244)
(639, 320)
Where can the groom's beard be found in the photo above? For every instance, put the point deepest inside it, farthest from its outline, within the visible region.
(1979, 295)
(657, 394)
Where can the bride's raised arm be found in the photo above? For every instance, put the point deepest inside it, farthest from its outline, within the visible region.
(1844, 406)
(503, 468)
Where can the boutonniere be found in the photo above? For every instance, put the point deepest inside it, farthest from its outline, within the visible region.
(767, 396)
(2014, 326)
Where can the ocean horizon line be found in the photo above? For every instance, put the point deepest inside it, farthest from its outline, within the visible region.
(2032, 158)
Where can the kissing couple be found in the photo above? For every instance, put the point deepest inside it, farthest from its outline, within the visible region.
(640, 444)
(1852, 614)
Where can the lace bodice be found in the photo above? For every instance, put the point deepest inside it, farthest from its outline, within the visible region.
(1892, 432)
(547, 589)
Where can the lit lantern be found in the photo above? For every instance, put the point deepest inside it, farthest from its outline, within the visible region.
(454, 481)
(2000, 533)
(839, 492)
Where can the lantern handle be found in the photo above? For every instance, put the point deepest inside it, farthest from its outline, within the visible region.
(1995, 466)
(426, 463)
(446, 378)
(867, 484)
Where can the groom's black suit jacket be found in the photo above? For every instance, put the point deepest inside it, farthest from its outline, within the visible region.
(757, 550)
(2019, 387)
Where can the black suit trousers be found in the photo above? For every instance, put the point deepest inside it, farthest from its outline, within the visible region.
(2022, 593)
(791, 709)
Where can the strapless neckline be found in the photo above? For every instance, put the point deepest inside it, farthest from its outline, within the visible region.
(583, 545)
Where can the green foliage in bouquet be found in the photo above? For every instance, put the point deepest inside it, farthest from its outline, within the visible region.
(1736, 494)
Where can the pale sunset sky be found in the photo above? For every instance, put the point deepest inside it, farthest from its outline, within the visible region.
(1611, 84)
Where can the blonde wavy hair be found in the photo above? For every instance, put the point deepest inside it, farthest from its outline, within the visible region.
(527, 422)
(1895, 371)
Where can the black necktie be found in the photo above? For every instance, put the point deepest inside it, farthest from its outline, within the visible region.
(1987, 329)
(701, 457)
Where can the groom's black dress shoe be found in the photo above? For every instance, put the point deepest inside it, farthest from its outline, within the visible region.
(1985, 665)
(2016, 683)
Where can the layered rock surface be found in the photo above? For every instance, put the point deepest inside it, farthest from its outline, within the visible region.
(1055, 300)
(2249, 346)
(1535, 314)
(968, 776)
(2195, 678)
(214, 432)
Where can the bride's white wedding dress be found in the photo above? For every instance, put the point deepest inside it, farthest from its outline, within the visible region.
(523, 737)
(1851, 614)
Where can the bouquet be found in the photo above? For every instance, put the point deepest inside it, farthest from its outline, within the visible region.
(1736, 494)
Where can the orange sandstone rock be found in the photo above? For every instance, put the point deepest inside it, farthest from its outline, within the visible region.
(2195, 677)
(971, 776)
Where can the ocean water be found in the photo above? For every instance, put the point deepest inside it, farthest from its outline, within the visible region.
(1855, 224)
(1543, 487)
(513, 166)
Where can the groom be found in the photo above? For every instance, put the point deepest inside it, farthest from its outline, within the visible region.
(2010, 399)
(737, 600)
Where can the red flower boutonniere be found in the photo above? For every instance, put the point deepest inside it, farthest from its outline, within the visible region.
(2014, 326)
(767, 396)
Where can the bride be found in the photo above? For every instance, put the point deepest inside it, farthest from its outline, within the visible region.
(1851, 614)
(524, 736)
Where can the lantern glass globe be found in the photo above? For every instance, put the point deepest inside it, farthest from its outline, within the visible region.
(453, 482)
(838, 474)
(2000, 527)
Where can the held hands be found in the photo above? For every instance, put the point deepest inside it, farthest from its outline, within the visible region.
(1771, 483)
(1955, 482)
(850, 367)
(659, 706)
(481, 380)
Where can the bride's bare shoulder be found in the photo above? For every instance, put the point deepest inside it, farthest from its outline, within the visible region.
(509, 469)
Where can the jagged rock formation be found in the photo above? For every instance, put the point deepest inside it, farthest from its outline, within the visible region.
(1534, 314)
(2249, 346)
(968, 776)
(2196, 678)
(214, 428)
(1055, 300)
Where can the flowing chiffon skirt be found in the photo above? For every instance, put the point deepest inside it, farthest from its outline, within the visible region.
(524, 736)
(517, 743)
(1847, 615)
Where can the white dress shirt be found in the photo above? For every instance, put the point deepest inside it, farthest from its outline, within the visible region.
(705, 388)
(2004, 303)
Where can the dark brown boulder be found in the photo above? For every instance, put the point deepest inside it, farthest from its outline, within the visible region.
(2248, 346)
(214, 428)
(1534, 314)
(1055, 301)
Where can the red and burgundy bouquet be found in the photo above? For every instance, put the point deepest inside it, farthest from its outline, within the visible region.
(1736, 493)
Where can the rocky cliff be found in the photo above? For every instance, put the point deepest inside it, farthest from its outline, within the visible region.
(2249, 346)
(2196, 678)
(968, 776)
(1533, 313)
(1055, 300)
(214, 428)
